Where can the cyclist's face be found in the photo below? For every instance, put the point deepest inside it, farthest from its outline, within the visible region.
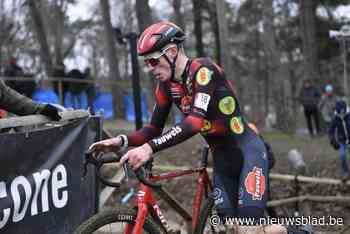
(159, 66)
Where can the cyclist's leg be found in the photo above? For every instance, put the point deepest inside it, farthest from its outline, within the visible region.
(254, 180)
(253, 186)
(228, 162)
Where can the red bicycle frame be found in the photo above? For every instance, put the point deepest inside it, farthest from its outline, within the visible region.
(146, 201)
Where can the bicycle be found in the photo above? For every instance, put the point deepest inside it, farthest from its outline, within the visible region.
(146, 215)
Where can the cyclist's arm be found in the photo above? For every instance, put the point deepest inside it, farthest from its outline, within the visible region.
(159, 115)
(193, 123)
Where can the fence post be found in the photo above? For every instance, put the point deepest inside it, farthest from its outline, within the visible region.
(60, 92)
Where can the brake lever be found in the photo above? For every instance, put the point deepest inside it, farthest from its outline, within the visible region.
(126, 172)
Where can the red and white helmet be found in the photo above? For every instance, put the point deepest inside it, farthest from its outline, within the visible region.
(157, 36)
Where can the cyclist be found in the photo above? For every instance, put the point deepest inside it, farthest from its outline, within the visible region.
(199, 88)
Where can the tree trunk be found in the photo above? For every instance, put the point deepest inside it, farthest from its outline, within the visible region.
(272, 56)
(211, 9)
(145, 19)
(143, 14)
(197, 19)
(179, 17)
(112, 59)
(225, 50)
(58, 30)
(307, 21)
(40, 32)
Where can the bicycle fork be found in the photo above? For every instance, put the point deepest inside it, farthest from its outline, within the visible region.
(144, 201)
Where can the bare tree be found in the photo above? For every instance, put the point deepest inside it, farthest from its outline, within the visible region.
(143, 14)
(8, 29)
(211, 9)
(145, 19)
(307, 20)
(225, 46)
(41, 35)
(179, 17)
(111, 55)
(273, 62)
(197, 20)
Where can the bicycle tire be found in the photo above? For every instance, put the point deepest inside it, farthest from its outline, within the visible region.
(204, 225)
(120, 215)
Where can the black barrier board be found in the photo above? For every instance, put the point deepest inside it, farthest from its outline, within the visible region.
(41, 184)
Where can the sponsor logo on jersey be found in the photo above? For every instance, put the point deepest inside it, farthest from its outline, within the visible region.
(227, 105)
(255, 183)
(203, 76)
(236, 125)
(168, 136)
(206, 127)
(217, 195)
(189, 85)
(201, 101)
(186, 104)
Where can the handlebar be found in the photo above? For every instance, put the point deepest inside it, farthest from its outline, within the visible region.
(98, 160)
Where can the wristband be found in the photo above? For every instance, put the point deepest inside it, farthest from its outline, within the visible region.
(124, 142)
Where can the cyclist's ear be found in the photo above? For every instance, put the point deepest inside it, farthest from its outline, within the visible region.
(172, 51)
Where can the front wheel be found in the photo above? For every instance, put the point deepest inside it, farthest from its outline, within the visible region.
(116, 221)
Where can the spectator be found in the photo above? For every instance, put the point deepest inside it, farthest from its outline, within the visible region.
(327, 105)
(339, 135)
(59, 72)
(309, 97)
(91, 90)
(77, 89)
(26, 88)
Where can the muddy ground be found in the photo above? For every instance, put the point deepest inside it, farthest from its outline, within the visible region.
(321, 160)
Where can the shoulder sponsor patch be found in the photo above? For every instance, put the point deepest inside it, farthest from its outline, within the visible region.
(236, 125)
(202, 101)
(206, 127)
(204, 75)
(227, 105)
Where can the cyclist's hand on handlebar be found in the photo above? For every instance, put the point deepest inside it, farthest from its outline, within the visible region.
(106, 146)
(138, 156)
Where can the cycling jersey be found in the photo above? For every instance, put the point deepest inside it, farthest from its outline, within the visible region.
(209, 105)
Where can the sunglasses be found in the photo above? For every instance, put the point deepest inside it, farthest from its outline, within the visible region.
(154, 60)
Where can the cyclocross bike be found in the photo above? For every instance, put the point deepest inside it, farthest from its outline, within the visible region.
(145, 216)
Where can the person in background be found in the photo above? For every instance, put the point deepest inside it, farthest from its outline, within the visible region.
(25, 88)
(339, 135)
(76, 89)
(327, 105)
(90, 91)
(59, 72)
(14, 102)
(309, 97)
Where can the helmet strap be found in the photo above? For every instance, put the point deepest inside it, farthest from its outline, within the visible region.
(172, 64)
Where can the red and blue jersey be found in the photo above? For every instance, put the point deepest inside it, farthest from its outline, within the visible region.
(207, 100)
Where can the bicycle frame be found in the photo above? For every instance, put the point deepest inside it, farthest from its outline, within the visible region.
(146, 202)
